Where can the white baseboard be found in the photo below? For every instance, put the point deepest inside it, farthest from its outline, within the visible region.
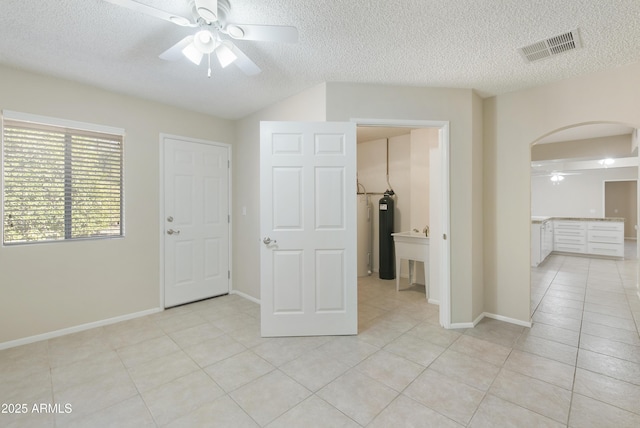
(467, 324)
(507, 319)
(457, 325)
(246, 296)
(76, 329)
(433, 301)
(489, 315)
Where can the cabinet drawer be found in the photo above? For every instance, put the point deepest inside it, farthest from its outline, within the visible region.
(613, 237)
(604, 249)
(570, 248)
(569, 239)
(568, 232)
(569, 225)
(606, 226)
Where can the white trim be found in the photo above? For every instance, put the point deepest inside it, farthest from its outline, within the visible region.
(433, 301)
(65, 123)
(444, 143)
(507, 319)
(469, 324)
(163, 137)
(479, 318)
(489, 315)
(77, 328)
(458, 325)
(245, 296)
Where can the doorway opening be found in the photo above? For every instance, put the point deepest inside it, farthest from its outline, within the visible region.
(621, 201)
(571, 169)
(432, 206)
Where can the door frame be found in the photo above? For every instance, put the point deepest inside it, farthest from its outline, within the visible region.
(444, 145)
(162, 214)
(604, 197)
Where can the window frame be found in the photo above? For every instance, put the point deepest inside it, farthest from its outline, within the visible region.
(64, 126)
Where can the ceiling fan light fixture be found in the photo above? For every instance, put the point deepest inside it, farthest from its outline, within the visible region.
(192, 53)
(556, 178)
(225, 55)
(207, 9)
(205, 41)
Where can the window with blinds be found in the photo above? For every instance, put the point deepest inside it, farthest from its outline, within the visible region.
(60, 183)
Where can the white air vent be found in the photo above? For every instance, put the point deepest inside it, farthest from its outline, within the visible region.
(552, 46)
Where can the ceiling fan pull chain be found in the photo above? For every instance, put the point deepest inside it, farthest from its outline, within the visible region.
(209, 71)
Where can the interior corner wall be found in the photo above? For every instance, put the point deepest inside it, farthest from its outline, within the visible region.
(477, 179)
(512, 122)
(346, 101)
(307, 106)
(54, 286)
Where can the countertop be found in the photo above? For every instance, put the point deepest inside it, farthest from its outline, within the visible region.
(542, 219)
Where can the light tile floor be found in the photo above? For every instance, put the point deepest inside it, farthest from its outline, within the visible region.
(205, 364)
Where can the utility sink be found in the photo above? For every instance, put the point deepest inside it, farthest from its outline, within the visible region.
(412, 246)
(410, 235)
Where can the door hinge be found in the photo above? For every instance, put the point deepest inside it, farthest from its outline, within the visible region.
(228, 274)
(444, 236)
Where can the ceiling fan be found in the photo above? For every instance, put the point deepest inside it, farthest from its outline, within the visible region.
(212, 29)
(555, 176)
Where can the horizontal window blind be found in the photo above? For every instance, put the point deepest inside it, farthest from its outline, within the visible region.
(60, 183)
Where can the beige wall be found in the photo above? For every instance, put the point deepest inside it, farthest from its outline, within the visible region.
(421, 141)
(48, 287)
(306, 106)
(594, 148)
(512, 122)
(463, 109)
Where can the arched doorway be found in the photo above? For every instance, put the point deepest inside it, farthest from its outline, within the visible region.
(569, 169)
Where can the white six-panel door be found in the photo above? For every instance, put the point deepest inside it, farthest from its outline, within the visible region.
(308, 229)
(196, 221)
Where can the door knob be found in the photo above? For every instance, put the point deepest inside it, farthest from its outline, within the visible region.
(267, 241)
(173, 232)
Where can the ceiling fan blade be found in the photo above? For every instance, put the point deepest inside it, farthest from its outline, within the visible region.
(152, 11)
(267, 33)
(174, 53)
(243, 62)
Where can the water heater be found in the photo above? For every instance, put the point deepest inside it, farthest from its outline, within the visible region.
(387, 257)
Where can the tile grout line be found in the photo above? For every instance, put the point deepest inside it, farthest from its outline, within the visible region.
(575, 365)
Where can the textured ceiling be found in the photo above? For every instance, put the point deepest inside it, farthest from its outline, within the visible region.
(437, 43)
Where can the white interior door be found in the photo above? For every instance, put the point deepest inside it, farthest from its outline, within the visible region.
(308, 260)
(196, 221)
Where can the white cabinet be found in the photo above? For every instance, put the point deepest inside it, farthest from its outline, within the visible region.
(547, 239)
(541, 241)
(570, 236)
(605, 238)
(601, 238)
